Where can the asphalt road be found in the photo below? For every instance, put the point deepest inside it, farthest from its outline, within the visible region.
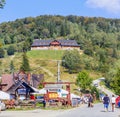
(96, 111)
(82, 111)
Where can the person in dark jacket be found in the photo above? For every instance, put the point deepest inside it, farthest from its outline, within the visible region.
(90, 101)
(106, 101)
(44, 103)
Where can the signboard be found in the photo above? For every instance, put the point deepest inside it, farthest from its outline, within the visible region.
(53, 86)
(53, 95)
(21, 91)
(64, 95)
(53, 90)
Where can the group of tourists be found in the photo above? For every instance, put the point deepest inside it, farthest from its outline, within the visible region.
(106, 101)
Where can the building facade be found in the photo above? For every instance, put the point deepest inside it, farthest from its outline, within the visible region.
(54, 45)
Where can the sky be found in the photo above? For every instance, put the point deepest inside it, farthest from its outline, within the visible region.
(17, 9)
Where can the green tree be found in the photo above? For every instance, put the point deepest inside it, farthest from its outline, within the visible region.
(2, 3)
(116, 82)
(10, 50)
(114, 54)
(25, 63)
(71, 60)
(11, 67)
(83, 80)
(2, 53)
(26, 46)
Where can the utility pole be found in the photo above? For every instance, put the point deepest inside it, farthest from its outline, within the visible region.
(58, 71)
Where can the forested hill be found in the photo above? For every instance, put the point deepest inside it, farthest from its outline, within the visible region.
(91, 33)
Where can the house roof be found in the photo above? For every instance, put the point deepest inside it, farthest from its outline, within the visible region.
(37, 79)
(7, 79)
(38, 42)
(12, 84)
(21, 83)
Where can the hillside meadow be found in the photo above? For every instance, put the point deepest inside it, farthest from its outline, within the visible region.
(43, 62)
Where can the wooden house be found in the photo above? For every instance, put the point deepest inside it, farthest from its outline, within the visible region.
(21, 84)
(39, 44)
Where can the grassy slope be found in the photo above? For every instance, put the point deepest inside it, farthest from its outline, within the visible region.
(45, 62)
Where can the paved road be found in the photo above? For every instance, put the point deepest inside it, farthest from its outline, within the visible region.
(96, 111)
(82, 111)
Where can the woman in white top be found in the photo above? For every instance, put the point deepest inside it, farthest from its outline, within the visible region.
(113, 101)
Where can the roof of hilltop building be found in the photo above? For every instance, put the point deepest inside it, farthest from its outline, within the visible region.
(39, 42)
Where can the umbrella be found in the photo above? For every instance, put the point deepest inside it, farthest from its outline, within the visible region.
(4, 95)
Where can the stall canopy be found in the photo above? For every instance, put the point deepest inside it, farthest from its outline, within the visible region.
(4, 95)
(64, 91)
(41, 91)
(74, 96)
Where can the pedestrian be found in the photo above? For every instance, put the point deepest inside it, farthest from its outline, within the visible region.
(90, 101)
(113, 100)
(106, 101)
(44, 103)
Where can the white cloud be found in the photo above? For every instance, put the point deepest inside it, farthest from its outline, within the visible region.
(112, 6)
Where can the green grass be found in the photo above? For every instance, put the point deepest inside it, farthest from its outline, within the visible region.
(46, 54)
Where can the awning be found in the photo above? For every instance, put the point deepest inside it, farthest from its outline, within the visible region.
(41, 91)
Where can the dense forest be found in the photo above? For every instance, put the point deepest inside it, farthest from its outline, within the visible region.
(99, 38)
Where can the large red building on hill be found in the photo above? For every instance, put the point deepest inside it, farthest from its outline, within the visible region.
(39, 44)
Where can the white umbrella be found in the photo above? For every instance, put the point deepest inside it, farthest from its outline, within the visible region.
(4, 95)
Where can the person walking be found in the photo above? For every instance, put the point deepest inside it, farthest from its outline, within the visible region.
(106, 101)
(90, 101)
(113, 100)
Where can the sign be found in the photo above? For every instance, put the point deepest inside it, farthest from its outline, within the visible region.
(21, 91)
(53, 95)
(53, 90)
(53, 86)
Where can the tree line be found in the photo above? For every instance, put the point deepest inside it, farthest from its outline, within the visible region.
(92, 31)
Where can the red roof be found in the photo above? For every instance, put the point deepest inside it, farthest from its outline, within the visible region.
(7, 79)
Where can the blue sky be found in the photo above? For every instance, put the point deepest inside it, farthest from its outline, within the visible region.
(16, 9)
